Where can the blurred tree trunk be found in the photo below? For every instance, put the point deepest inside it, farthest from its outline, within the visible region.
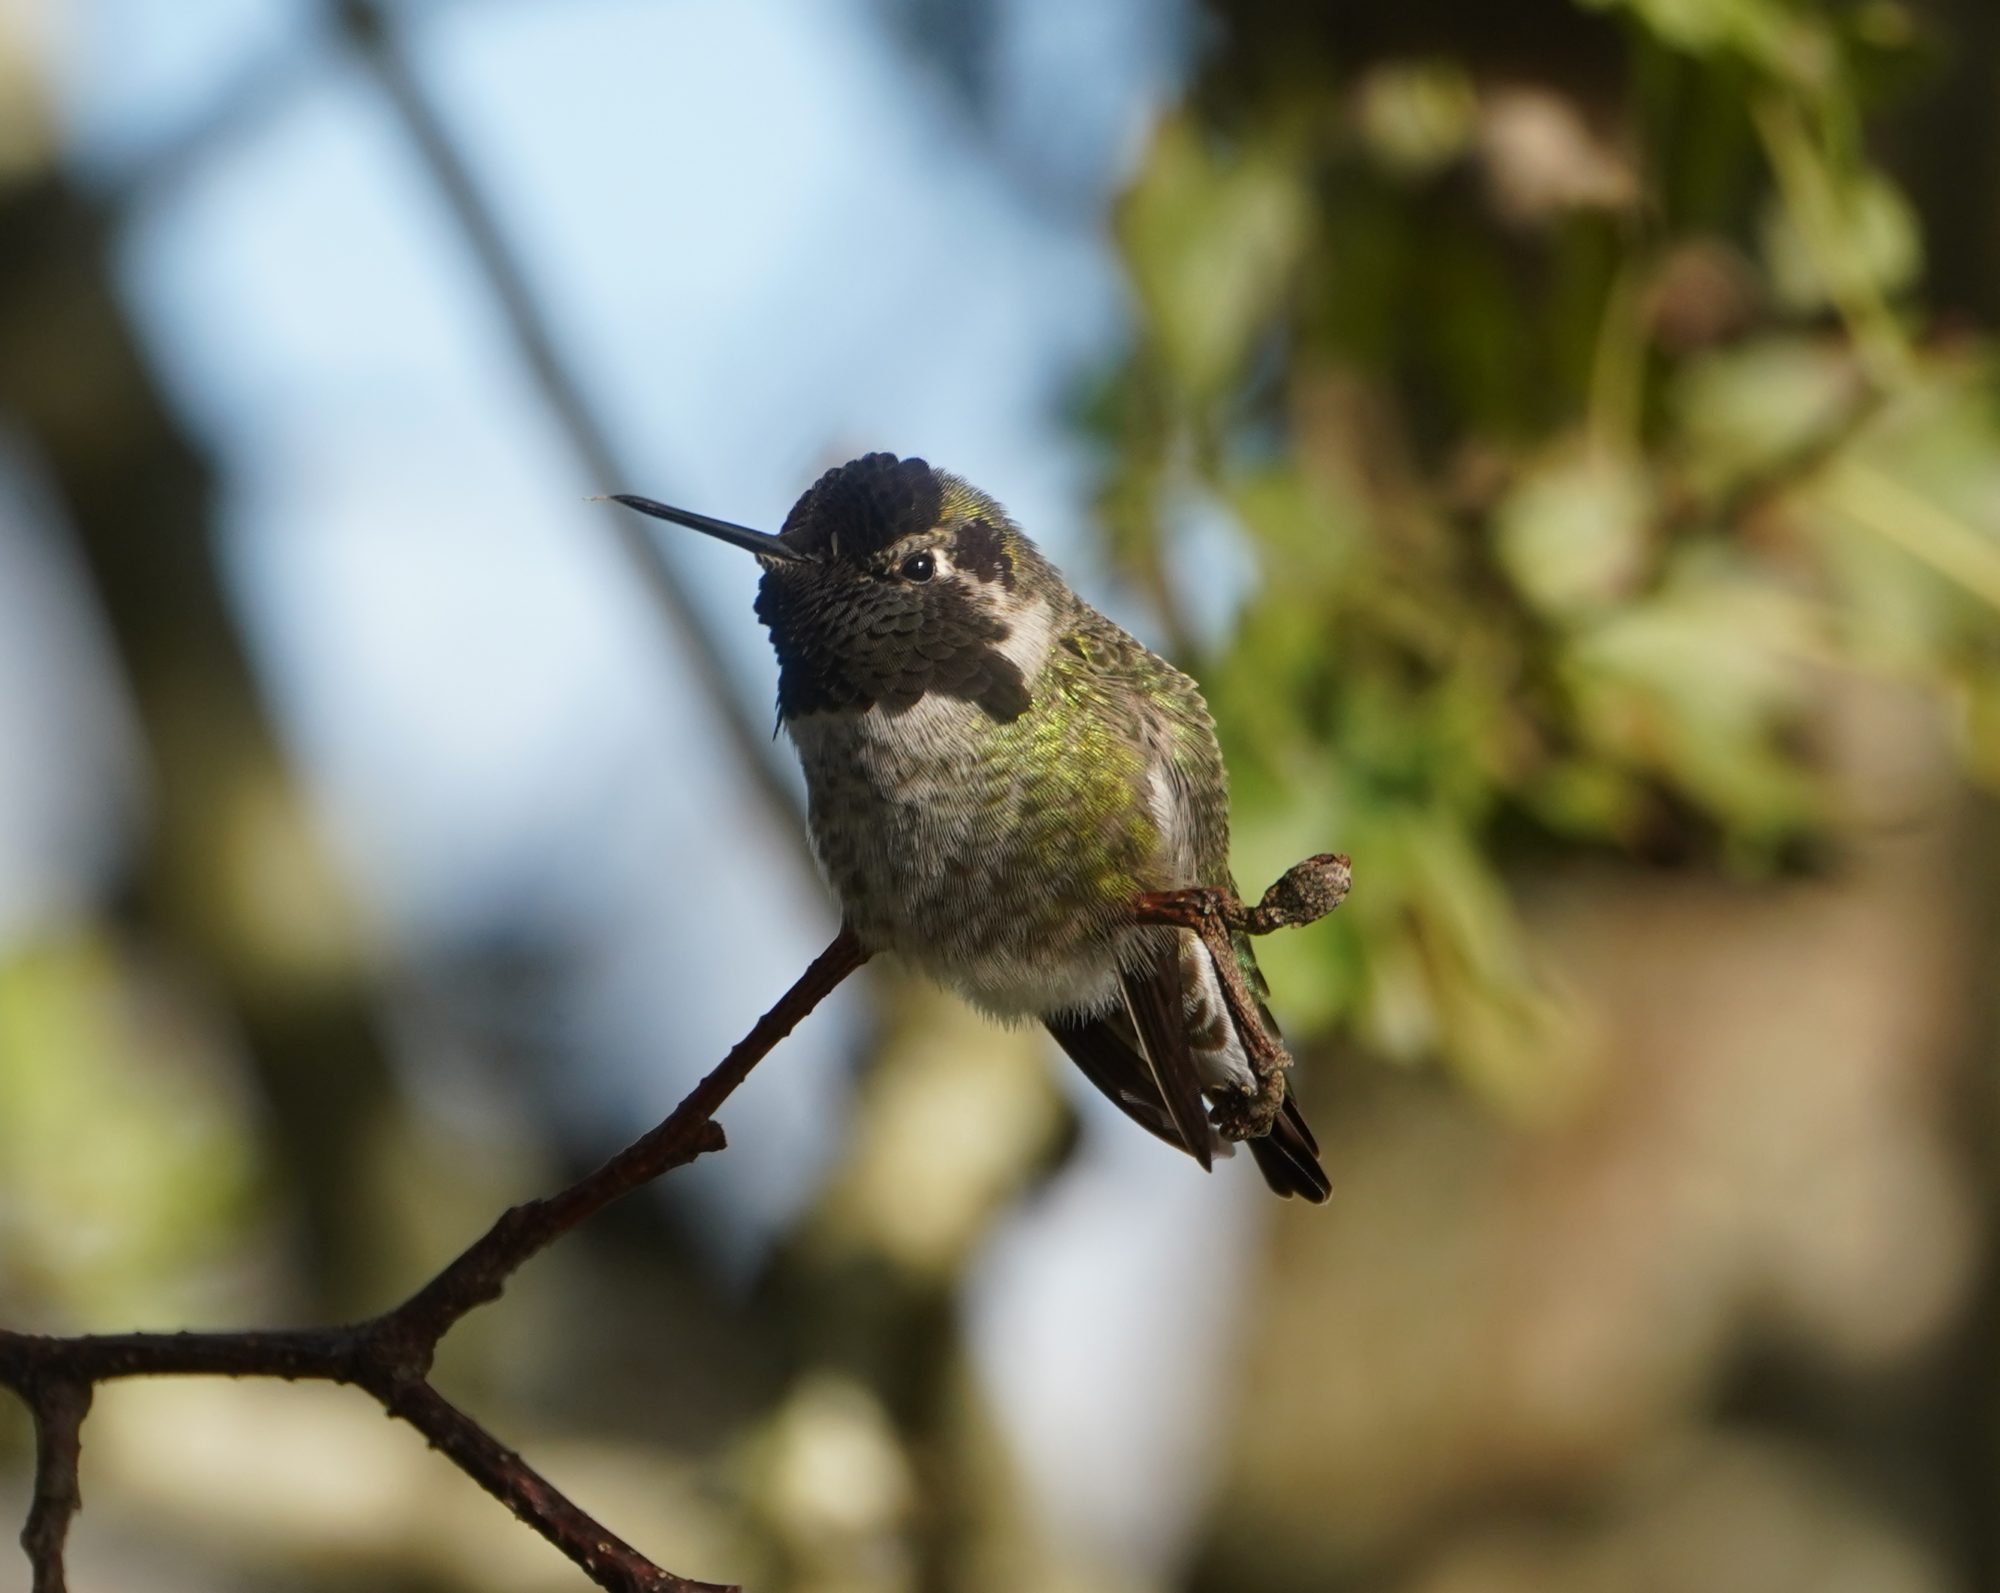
(230, 878)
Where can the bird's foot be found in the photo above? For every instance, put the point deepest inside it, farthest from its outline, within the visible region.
(1240, 1114)
(1197, 907)
(1305, 893)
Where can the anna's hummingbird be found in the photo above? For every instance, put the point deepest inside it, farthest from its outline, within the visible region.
(994, 771)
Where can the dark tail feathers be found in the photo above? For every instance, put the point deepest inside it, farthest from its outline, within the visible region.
(1288, 1156)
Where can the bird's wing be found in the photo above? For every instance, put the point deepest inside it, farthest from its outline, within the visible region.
(1138, 1055)
(1154, 996)
(1106, 1052)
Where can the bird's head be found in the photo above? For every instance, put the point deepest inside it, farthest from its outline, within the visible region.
(891, 582)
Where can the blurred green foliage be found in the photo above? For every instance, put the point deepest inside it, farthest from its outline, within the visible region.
(1587, 432)
(130, 1221)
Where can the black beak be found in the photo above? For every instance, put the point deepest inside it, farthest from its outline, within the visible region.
(761, 543)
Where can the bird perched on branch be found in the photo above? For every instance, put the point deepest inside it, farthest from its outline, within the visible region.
(995, 773)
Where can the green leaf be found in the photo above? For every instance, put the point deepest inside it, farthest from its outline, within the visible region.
(1866, 232)
(1699, 685)
(1210, 240)
(1417, 117)
(1747, 411)
(1572, 532)
(1774, 36)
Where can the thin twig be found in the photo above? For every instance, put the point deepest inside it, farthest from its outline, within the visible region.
(58, 1405)
(389, 1356)
(605, 1558)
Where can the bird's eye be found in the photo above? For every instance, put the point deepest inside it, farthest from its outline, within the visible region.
(919, 567)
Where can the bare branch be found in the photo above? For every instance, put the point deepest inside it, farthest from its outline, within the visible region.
(605, 1558)
(389, 1356)
(59, 1405)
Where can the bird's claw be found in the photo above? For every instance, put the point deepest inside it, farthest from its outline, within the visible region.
(1240, 1114)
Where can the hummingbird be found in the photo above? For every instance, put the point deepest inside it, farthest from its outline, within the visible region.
(994, 771)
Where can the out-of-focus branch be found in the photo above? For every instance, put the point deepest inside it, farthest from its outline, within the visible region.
(389, 1356)
(373, 37)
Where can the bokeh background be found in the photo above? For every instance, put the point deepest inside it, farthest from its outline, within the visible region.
(1563, 437)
